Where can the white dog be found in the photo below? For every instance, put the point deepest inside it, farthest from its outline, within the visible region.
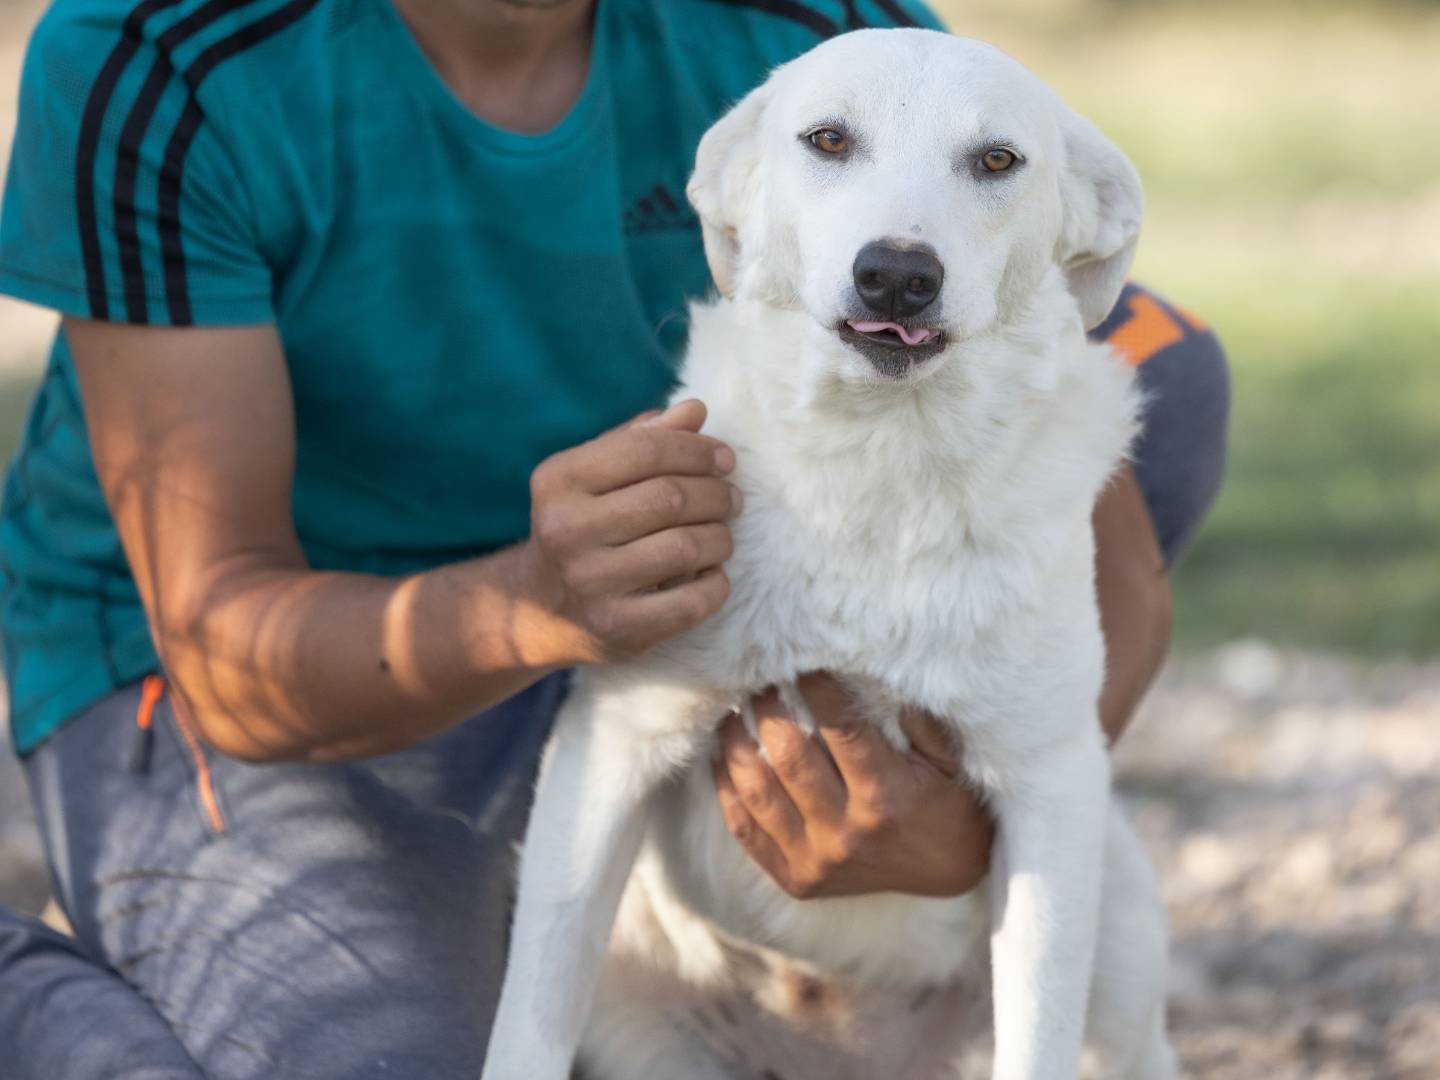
(912, 234)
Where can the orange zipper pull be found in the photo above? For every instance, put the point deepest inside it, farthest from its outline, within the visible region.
(151, 691)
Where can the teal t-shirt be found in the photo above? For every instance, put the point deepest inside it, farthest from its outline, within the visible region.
(456, 301)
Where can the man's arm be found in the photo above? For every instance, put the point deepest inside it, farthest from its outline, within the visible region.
(1134, 593)
(193, 438)
(846, 814)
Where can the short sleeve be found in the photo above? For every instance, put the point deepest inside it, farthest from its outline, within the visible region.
(893, 13)
(121, 203)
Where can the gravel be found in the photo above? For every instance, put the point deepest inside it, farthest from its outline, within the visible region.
(1291, 803)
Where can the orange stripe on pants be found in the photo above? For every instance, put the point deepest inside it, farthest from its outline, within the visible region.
(1149, 329)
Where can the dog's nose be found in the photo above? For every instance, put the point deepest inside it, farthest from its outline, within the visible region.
(896, 283)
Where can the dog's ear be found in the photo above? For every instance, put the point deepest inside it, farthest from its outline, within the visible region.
(1102, 205)
(723, 187)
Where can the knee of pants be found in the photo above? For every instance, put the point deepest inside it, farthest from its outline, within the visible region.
(326, 940)
(347, 919)
(64, 1015)
(1180, 455)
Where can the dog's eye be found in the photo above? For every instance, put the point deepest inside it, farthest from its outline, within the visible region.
(998, 159)
(829, 141)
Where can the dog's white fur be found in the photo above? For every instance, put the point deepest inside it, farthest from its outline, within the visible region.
(927, 537)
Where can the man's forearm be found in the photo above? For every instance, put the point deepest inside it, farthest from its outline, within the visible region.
(1134, 595)
(1137, 639)
(277, 663)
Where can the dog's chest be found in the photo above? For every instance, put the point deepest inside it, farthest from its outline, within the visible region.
(876, 581)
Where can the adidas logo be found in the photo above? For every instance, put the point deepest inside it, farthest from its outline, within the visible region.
(659, 211)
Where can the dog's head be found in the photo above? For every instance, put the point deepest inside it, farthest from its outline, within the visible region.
(910, 191)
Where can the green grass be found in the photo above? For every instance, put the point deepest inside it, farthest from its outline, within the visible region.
(1328, 531)
(1212, 102)
(1292, 164)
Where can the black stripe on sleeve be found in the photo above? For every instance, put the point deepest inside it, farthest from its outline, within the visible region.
(127, 166)
(205, 15)
(132, 136)
(172, 170)
(792, 10)
(91, 122)
(853, 19)
(247, 37)
(898, 14)
(177, 293)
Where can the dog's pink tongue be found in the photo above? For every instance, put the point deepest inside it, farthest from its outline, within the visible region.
(917, 336)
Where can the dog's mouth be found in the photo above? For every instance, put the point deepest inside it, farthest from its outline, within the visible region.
(893, 334)
(892, 348)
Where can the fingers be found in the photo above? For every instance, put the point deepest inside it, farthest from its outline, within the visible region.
(639, 418)
(661, 502)
(667, 444)
(759, 789)
(800, 763)
(687, 415)
(627, 457)
(875, 819)
(628, 531)
(656, 616)
(652, 561)
(647, 534)
(742, 825)
(864, 757)
(930, 741)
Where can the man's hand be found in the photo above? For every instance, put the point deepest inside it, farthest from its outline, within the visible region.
(845, 813)
(628, 532)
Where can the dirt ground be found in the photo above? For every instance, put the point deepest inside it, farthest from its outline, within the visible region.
(1291, 804)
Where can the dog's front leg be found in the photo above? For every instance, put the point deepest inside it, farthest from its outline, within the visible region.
(1045, 885)
(584, 832)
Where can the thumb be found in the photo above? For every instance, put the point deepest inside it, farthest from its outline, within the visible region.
(688, 415)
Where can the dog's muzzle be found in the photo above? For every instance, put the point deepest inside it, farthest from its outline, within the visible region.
(896, 285)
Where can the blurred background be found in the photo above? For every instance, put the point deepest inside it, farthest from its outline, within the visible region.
(1286, 773)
